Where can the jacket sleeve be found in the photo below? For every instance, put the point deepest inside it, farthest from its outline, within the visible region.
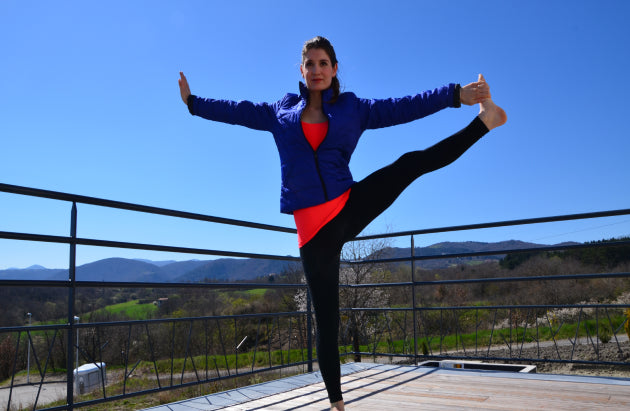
(377, 113)
(258, 116)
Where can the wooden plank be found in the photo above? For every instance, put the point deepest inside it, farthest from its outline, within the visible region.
(404, 389)
(530, 394)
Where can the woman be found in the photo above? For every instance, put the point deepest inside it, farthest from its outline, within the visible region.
(315, 133)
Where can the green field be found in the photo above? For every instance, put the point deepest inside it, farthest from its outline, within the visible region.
(131, 309)
(259, 292)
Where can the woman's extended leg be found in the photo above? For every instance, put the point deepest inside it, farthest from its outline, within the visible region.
(375, 193)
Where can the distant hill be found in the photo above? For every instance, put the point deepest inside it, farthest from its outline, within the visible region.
(121, 269)
(35, 267)
(180, 268)
(446, 248)
(33, 274)
(158, 263)
(233, 269)
(130, 270)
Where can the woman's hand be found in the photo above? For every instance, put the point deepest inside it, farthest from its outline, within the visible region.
(184, 89)
(474, 93)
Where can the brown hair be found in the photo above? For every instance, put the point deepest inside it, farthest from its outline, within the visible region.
(320, 42)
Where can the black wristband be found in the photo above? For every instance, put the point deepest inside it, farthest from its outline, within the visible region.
(457, 103)
(189, 103)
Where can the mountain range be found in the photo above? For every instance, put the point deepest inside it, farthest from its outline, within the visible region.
(233, 269)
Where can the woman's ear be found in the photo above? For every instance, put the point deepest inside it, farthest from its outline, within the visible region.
(334, 74)
(302, 70)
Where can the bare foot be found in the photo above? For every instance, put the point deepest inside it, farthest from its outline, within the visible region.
(337, 406)
(492, 115)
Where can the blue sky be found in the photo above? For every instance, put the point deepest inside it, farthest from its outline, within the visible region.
(90, 106)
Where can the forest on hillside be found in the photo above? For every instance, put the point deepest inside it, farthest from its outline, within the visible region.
(438, 288)
(49, 304)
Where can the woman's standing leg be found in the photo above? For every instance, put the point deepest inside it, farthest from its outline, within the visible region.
(320, 259)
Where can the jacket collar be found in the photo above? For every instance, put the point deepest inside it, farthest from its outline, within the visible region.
(326, 95)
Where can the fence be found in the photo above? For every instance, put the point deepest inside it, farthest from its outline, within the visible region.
(185, 352)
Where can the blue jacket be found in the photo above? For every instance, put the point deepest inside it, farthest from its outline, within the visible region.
(313, 177)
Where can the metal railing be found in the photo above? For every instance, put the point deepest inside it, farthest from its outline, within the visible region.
(184, 352)
(297, 325)
(550, 318)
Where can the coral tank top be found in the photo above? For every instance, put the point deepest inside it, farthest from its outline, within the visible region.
(311, 219)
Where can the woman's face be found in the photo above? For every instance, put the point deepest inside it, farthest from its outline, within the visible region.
(317, 70)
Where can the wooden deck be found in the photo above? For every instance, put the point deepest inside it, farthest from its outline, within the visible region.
(369, 387)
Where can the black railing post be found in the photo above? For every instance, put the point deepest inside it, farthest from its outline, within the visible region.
(309, 330)
(71, 299)
(413, 301)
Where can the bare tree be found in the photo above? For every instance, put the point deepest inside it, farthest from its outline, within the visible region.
(361, 325)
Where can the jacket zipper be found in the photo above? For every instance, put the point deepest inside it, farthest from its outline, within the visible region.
(316, 158)
(319, 173)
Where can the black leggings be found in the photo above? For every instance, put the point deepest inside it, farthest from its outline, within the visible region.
(368, 198)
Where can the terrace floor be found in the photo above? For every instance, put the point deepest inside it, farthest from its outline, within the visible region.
(369, 386)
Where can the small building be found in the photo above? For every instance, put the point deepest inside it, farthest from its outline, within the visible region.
(160, 301)
(89, 377)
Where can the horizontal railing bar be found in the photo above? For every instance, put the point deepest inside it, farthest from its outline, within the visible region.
(533, 278)
(34, 328)
(493, 252)
(186, 250)
(151, 321)
(110, 284)
(525, 306)
(202, 217)
(494, 280)
(55, 195)
(487, 307)
(138, 246)
(377, 285)
(188, 319)
(506, 223)
(124, 284)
